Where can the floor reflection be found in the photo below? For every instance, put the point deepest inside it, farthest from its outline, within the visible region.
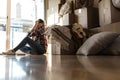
(23, 68)
(2, 68)
(65, 67)
(101, 67)
(59, 67)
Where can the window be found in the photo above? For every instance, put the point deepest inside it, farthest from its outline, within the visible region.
(21, 14)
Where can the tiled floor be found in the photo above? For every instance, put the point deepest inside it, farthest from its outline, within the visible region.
(59, 67)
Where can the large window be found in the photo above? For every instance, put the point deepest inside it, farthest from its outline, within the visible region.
(17, 18)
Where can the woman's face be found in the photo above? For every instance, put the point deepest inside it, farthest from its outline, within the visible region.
(38, 24)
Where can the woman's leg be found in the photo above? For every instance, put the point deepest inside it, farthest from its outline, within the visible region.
(21, 44)
(26, 49)
(37, 47)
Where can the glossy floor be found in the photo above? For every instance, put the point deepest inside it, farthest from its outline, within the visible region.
(59, 67)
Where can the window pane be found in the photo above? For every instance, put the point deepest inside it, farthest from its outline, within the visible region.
(2, 25)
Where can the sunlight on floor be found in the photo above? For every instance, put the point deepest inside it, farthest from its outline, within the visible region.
(49, 57)
(2, 67)
(9, 68)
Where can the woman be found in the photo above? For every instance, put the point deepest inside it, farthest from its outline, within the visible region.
(35, 39)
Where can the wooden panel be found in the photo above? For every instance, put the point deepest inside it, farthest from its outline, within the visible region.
(87, 17)
(105, 12)
(67, 19)
(108, 13)
(115, 14)
(93, 17)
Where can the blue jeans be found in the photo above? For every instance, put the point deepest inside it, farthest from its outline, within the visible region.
(34, 46)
